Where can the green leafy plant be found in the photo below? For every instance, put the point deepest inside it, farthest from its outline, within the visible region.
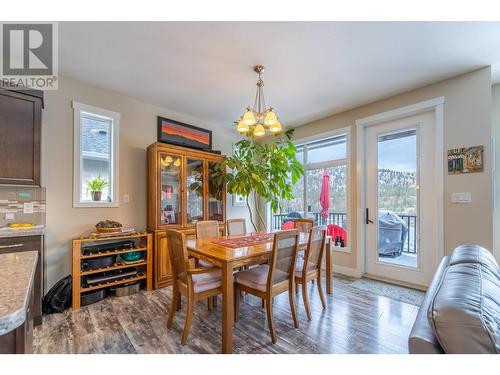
(266, 170)
(96, 184)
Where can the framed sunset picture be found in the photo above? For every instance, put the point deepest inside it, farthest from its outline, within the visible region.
(178, 133)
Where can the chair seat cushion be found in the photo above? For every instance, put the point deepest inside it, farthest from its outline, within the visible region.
(206, 281)
(255, 277)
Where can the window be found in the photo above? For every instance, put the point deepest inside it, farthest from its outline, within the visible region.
(329, 155)
(96, 156)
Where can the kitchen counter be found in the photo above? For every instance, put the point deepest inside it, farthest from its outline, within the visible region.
(17, 275)
(22, 232)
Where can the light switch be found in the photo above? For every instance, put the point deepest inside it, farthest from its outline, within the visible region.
(28, 207)
(465, 197)
(126, 198)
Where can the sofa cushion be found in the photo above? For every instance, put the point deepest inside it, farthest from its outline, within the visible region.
(465, 309)
(473, 254)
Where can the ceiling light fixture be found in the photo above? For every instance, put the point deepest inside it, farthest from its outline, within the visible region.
(258, 118)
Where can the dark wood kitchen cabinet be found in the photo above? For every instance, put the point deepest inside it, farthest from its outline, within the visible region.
(20, 136)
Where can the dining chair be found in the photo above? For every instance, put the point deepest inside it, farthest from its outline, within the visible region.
(236, 227)
(269, 280)
(303, 225)
(193, 283)
(204, 230)
(207, 229)
(309, 268)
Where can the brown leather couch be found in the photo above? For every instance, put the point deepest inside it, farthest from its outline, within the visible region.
(461, 309)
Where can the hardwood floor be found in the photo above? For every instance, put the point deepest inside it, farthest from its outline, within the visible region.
(354, 322)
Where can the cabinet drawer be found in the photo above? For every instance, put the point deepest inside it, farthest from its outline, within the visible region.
(16, 244)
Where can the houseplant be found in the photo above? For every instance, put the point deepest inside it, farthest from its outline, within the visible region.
(265, 170)
(95, 187)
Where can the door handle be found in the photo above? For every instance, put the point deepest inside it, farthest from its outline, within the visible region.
(368, 221)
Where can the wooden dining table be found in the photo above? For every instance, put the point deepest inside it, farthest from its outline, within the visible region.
(228, 259)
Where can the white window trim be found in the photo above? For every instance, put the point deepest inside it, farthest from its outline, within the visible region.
(78, 108)
(333, 163)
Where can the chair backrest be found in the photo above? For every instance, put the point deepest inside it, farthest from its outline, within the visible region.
(303, 225)
(207, 229)
(283, 257)
(176, 244)
(235, 227)
(314, 251)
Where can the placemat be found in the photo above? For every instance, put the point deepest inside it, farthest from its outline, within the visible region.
(251, 240)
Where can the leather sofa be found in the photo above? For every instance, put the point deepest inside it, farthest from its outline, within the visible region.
(460, 313)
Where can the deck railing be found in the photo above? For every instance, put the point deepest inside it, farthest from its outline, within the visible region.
(340, 219)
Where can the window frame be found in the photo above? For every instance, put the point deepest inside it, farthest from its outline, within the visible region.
(78, 110)
(331, 163)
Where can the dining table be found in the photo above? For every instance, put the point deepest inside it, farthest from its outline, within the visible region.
(229, 258)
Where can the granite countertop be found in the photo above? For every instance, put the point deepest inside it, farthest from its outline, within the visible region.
(38, 230)
(17, 275)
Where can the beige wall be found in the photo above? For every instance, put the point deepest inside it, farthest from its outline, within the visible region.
(137, 131)
(467, 122)
(495, 122)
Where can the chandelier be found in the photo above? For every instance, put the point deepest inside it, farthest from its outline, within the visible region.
(258, 118)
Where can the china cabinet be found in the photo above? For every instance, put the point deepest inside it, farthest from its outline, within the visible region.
(182, 190)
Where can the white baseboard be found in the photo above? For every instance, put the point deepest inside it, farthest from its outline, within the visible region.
(347, 271)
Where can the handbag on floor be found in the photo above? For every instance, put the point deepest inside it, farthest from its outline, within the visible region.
(58, 297)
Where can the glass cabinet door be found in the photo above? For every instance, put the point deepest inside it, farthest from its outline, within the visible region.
(194, 189)
(170, 210)
(215, 191)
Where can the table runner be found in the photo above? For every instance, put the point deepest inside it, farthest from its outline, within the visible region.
(236, 242)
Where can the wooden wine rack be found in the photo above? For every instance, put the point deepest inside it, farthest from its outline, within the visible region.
(143, 242)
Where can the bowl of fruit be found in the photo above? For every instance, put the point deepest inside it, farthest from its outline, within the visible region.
(108, 226)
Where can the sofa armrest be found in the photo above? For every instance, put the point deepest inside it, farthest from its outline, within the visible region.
(422, 339)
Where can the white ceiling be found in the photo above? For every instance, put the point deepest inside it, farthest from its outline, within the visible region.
(204, 69)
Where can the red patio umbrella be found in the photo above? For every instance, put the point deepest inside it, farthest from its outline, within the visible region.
(324, 196)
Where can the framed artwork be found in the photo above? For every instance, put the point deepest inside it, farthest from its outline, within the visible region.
(180, 134)
(465, 160)
(238, 200)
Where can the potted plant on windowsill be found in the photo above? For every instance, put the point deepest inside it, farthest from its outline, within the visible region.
(95, 187)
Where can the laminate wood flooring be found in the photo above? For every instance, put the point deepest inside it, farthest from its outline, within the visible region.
(355, 321)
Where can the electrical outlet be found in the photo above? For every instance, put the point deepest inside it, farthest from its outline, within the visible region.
(9, 216)
(126, 198)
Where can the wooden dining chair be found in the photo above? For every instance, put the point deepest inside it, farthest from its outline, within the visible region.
(269, 280)
(309, 268)
(236, 227)
(193, 283)
(303, 225)
(207, 229)
(204, 230)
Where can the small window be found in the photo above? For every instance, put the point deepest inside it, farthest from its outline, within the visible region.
(95, 181)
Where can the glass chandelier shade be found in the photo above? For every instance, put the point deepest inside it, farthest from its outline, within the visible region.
(260, 117)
